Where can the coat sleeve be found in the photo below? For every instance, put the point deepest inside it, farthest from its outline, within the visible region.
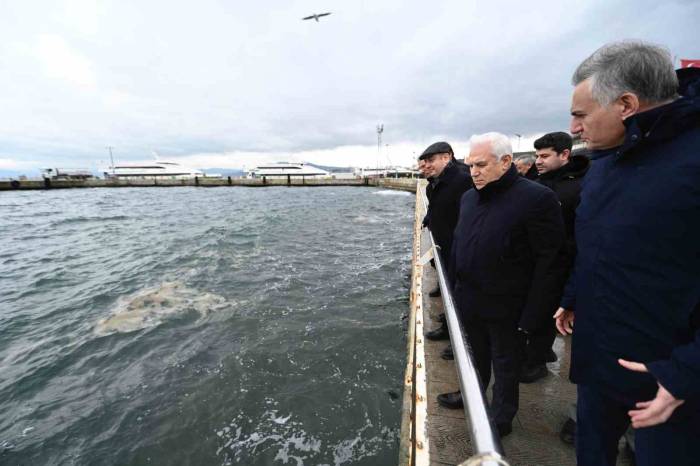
(545, 233)
(680, 374)
(568, 299)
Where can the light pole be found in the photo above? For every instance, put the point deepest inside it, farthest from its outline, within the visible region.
(519, 136)
(380, 130)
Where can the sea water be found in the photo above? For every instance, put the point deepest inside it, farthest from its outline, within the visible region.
(203, 326)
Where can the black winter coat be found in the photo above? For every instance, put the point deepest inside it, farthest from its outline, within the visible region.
(506, 251)
(566, 184)
(635, 288)
(444, 194)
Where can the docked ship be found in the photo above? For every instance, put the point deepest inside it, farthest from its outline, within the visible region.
(284, 169)
(158, 169)
(386, 172)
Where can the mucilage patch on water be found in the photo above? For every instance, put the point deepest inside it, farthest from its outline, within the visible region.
(150, 307)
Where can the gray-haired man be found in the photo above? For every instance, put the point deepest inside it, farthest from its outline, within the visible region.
(634, 289)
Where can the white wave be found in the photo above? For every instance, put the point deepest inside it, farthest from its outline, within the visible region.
(151, 306)
(392, 192)
(367, 220)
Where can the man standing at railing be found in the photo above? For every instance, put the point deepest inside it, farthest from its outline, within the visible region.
(635, 288)
(448, 180)
(562, 172)
(505, 255)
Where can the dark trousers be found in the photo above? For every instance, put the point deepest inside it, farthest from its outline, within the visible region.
(539, 344)
(499, 343)
(601, 420)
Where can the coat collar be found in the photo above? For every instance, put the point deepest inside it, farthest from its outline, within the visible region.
(576, 168)
(500, 185)
(447, 174)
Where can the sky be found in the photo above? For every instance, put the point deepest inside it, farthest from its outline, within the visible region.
(232, 84)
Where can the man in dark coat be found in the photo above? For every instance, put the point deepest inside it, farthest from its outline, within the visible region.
(562, 173)
(635, 287)
(525, 164)
(501, 266)
(448, 180)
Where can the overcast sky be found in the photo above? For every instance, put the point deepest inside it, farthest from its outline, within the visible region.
(232, 83)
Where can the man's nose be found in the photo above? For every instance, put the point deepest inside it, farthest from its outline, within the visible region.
(575, 126)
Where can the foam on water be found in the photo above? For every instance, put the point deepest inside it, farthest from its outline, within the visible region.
(151, 306)
(244, 437)
(392, 192)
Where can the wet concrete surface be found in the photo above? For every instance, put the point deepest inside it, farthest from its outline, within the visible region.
(544, 405)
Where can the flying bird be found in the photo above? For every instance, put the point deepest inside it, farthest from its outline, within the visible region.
(315, 16)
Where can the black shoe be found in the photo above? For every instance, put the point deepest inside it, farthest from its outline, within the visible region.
(447, 354)
(440, 333)
(532, 374)
(451, 400)
(504, 429)
(551, 356)
(435, 292)
(568, 432)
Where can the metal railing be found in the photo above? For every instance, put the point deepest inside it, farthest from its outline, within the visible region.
(487, 445)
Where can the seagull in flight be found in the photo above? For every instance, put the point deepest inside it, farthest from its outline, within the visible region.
(315, 16)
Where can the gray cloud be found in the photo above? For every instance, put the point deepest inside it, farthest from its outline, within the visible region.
(238, 76)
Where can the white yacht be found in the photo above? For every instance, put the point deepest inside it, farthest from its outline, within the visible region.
(283, 169)
(159, 169)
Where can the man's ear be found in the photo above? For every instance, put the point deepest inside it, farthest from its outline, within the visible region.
(629, 105)
(507, 160)
(566, 153)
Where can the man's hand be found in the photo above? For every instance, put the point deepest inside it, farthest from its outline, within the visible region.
(653, 412)
(565, 321)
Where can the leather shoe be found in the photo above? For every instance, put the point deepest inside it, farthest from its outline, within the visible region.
(447, 354)
(451, 400)
(568, 432)
(435, 292)
(532, 374)
(504, 429)
(440, 333)
(551, 356)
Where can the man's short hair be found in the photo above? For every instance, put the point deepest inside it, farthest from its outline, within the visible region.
(527, 157)
(559, 141)
(641, 68)
(500, 144)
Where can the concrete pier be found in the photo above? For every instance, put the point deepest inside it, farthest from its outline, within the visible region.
(433, 435)
(406, 184)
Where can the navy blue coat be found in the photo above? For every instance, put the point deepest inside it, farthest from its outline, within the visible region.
(506, 251)
(444, 194)
(635, 288)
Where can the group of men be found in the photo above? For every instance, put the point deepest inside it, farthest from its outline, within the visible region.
(609, 237)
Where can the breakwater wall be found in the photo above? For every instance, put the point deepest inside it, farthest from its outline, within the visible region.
(405, 184)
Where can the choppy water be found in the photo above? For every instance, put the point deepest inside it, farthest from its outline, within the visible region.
(202, 326)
